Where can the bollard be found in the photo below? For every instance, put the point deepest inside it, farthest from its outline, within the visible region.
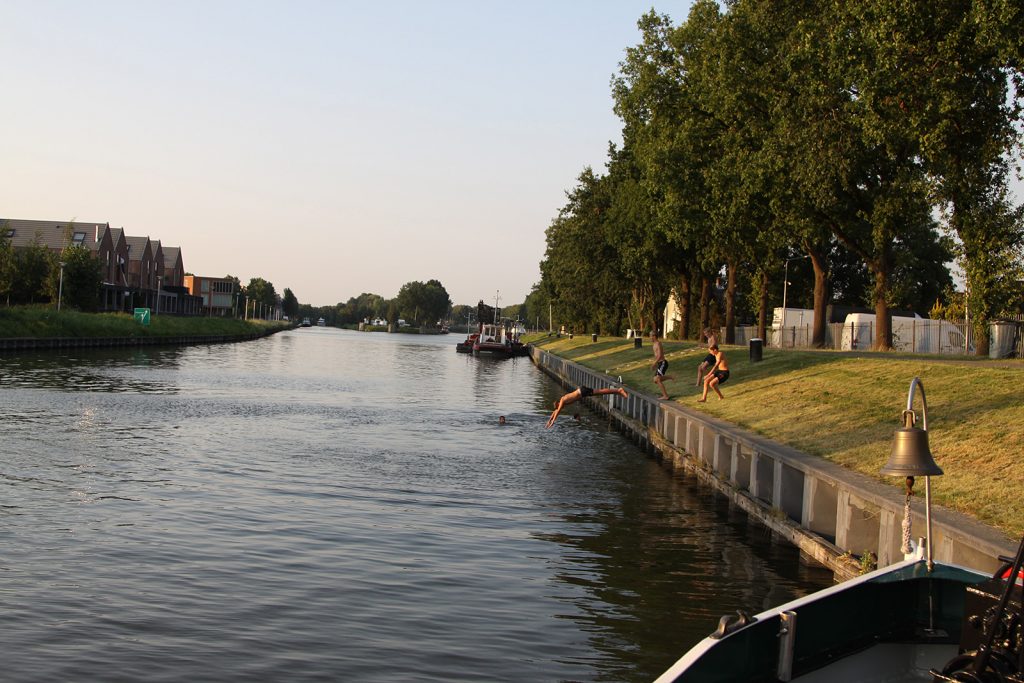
(593, 337)
(756, 350)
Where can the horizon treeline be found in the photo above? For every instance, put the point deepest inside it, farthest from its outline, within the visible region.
(862, 148)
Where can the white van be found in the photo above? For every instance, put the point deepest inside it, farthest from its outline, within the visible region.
(792, 327)
(915, 334)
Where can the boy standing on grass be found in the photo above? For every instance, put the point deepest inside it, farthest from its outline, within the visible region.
(709, 360)
(718, 375)
(660, 365)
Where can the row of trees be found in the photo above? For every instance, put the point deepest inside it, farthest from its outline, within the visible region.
(422, 304)
(34, 275)
(874, 139)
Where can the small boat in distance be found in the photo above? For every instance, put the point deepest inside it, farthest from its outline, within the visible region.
(321, 323)
(466, 346)
(305, 323)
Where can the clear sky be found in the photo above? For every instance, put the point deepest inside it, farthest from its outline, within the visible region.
(330, 147)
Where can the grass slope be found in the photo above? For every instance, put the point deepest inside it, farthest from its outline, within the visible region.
(44, 321)
(844, 407)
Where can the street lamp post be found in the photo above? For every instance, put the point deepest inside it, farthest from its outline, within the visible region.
(159, 280)
(785, 283)
(60, 285)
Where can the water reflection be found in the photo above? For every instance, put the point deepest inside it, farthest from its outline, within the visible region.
(326, 505)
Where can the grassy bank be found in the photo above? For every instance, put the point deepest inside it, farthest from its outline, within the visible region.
(844, 407)
(44, 321)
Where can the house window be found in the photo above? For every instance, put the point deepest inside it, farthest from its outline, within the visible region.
(78, 238)
(10, 233)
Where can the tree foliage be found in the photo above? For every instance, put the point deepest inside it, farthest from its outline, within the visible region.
(82, 279)
(423, 303)
(758, 132)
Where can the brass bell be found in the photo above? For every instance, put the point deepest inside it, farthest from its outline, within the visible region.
(910, 455)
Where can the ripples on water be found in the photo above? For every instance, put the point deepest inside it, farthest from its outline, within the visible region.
(327, 505)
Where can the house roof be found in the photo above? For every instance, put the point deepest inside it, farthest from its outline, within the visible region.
(136, 247)
(51, 234)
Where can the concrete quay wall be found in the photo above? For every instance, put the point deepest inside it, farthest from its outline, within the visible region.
(829, 512)
(45, 343)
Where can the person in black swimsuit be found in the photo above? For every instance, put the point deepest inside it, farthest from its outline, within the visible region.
(719, 374)
(577, 394)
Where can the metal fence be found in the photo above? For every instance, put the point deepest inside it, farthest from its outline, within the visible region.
(919, 336)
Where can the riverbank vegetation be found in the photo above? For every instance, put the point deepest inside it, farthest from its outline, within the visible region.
(844, 407)
(45, 321)
(860, 148)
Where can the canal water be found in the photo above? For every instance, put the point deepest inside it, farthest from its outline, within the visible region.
(324, 505)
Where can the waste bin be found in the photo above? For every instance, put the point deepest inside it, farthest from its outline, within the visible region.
(638, 342)
(593, 337)
(756, 349)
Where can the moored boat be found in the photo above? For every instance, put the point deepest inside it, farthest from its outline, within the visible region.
(321, 323)
(305, 323)
(903, 622)
(493, 340)
(915, 620)
(466, 345)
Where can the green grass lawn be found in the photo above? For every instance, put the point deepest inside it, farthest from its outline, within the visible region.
(844, 407)
(45, 321)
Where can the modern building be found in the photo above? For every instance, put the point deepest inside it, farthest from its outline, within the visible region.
(218, 294)
(135, 271)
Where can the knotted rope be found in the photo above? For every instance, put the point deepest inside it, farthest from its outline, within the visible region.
(907, 547)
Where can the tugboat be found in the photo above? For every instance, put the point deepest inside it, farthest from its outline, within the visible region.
(492, 341)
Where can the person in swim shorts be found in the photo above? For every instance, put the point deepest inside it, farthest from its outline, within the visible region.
(660, 366)
(709, 360)
(718, 375)
(577, 394)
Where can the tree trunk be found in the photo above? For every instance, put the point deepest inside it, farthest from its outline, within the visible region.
(762, 311)
(821, 296)
(685, 294)
(883, 323)
(705, 294)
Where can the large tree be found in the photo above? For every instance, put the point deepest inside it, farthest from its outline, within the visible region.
(668, 131)
(262, 293)
(82, 278)
(289, 304)
(32, 266)
(424, 303)
(581, 270)
(6, 263)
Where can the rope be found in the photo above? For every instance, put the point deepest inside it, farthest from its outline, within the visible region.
(906, 548)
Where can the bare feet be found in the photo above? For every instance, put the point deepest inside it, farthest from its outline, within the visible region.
(702, 400)
(622, 393)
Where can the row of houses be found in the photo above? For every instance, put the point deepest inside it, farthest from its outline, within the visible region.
(136, 271)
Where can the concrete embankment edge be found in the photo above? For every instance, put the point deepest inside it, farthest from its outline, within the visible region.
(49, 343)
(832, 514)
